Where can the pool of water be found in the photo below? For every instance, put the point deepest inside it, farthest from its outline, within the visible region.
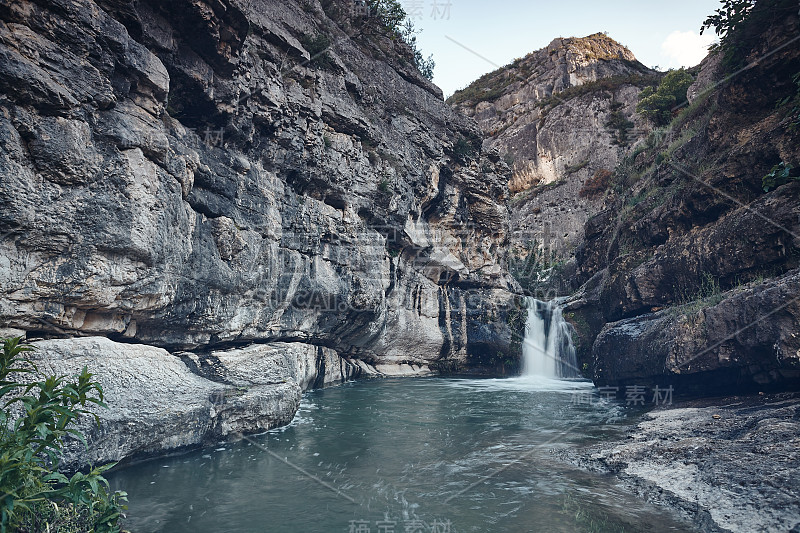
(403, 455)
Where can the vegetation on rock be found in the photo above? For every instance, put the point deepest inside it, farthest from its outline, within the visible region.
(317, 47)
(658, 104)
(741, 24)
(34, 420)
(394, 19)
(597, 184)
(779, 175)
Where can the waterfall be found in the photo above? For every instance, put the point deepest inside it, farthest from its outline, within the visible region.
(547, 349)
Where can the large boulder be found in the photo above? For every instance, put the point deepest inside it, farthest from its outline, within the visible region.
(747, 341)
(156, 404)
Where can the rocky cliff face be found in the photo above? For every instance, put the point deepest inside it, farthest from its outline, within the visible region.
(561, 116)
(692, 267)
(196, 176)
(682, 269)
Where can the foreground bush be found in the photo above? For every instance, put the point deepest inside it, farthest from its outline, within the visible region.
(34, 419)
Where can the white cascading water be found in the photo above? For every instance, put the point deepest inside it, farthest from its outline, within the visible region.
(547, 349)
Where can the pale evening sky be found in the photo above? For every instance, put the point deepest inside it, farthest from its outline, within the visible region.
(662, 33)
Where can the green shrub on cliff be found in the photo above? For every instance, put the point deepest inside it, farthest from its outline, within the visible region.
(425, 66)
(34, 420)
(780, 174)
(741, 24)
(390, 13)
(657, 104)
(392, 17)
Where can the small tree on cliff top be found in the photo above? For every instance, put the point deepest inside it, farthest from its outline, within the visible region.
(393, 17)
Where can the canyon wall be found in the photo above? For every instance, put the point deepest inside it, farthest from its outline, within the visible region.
(693, 267)
(189, 177)
(677, 257)
(559, 116)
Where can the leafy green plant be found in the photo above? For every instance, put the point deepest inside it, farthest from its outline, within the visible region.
(729, 18)
(740, 24)
(779, 175)
(30, 447)
(728, 22)
(657, 104)
(425, 66)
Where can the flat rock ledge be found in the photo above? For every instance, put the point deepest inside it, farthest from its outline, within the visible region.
(729, 464)
(161, 403)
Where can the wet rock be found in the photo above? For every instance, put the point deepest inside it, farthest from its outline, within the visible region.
(727, 465)
(746, 341)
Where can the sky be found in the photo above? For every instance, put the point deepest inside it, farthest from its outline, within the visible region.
(659, 33)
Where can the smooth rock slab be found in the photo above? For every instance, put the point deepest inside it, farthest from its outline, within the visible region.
(730, 464)
(265, 364)
(156, 404)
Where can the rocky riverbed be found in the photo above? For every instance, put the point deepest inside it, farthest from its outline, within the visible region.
(728, 464)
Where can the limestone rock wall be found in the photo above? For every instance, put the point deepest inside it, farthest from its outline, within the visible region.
(692, 267)
(182, 175)
(199, 176)
(548, 113)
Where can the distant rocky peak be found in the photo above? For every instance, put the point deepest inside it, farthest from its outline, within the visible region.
(595, 47)
(564, 63)
(562, 118)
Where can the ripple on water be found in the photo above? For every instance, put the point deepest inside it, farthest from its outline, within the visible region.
(476, 452)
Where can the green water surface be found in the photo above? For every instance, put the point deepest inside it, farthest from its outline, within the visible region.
(404, 455)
